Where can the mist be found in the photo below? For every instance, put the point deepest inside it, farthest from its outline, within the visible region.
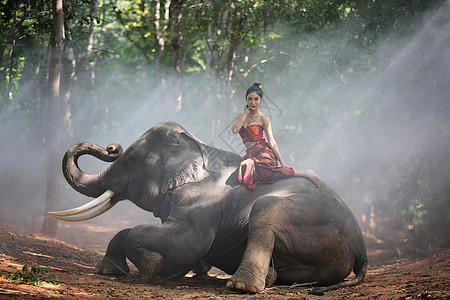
(388, 116)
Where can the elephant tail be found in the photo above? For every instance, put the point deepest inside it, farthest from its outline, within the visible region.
(360, 270)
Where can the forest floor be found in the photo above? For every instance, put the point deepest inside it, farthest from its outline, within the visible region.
(71, 276)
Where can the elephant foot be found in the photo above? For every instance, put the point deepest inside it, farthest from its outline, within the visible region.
(249, 283)
(109, 266)
(152, 269)
(245, 285)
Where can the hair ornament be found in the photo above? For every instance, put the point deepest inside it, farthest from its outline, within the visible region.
(260, 86)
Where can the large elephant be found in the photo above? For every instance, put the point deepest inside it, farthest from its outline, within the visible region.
(290, 230)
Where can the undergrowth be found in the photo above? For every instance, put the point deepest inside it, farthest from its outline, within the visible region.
(33, 275)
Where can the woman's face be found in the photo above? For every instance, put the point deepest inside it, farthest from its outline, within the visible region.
(253, 100)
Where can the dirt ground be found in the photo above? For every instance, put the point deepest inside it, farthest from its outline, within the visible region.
(71, 276)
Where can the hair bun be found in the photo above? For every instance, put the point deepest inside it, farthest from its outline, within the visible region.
(257, 88)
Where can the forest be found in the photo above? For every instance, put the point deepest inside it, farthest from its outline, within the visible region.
(359, 91)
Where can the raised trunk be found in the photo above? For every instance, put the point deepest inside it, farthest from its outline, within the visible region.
(87, 184)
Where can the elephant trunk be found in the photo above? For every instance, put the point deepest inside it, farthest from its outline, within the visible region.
(88, 184)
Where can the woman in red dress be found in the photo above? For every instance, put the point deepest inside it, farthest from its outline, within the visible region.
(261, 161)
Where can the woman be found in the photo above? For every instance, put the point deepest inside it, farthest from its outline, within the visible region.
(261, 161)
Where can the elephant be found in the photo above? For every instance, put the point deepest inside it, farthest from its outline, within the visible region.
(285, 232)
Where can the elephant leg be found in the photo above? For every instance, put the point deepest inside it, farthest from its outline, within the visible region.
(149, 263)
(114, 262)
(254, 268)
(147, 246)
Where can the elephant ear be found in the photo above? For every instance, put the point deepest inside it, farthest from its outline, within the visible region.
(186, 161)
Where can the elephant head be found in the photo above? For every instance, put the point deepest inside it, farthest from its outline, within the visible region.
(165, 157)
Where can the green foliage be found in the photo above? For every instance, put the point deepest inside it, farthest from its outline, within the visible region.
(33, 275)
(22, 23)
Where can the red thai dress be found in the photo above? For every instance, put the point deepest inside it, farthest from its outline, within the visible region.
(260, 164)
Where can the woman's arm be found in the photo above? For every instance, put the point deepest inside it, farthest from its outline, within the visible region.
(240, 120)
(271, 140)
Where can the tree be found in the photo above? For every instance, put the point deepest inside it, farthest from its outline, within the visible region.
(161, 23)
(177, 49)
(53, 197)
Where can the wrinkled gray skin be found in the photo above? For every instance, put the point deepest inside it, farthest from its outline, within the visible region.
(289, 230)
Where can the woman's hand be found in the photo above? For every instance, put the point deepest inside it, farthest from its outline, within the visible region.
(240, 119)
(284, 165)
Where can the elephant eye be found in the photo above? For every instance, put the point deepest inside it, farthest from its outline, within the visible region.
(175, 140)
(152, 159)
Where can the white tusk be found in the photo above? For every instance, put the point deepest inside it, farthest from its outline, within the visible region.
(88, 206)
(92, 214)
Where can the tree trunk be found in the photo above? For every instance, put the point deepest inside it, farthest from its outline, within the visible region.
(53, 197)
(238, 32)
(160, 25)
(177, 46)
(68, 70)
(11, 58)
(89, 52)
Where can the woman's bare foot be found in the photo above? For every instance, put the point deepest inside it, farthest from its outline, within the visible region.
(311, 175)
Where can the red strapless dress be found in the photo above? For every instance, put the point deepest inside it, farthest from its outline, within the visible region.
(260, 164)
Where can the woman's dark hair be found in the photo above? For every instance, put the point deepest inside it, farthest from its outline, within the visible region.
(257, 88)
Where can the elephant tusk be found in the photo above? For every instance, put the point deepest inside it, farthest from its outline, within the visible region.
(88, 206)
(92, 214)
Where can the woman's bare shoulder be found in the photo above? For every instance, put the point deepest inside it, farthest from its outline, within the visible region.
(265, 120)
